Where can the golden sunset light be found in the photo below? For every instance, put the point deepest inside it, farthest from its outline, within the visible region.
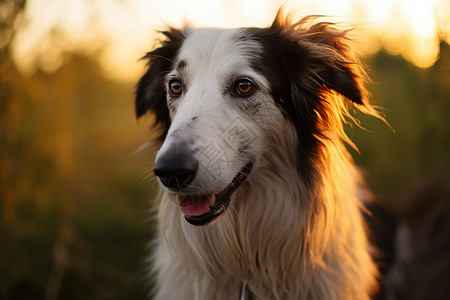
(306, 143)
(125, 30)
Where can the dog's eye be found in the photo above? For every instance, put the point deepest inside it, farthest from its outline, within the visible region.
(244, 86)
(175, 87)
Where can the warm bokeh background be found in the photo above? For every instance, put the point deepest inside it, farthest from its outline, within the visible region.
(75, 196)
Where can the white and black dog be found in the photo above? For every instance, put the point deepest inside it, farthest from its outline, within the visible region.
(261, 197)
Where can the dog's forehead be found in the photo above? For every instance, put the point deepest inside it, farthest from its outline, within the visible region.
(217, 47)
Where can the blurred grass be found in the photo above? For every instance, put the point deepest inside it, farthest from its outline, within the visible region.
(75, 202)
(74, 205)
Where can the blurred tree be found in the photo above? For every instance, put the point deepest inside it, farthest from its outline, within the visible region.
(9, 75)
(9, 11)
(71, 210)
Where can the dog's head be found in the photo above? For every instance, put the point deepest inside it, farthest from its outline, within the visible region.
(218, 94)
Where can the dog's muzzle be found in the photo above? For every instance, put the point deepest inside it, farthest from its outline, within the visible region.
(176, 170)
(221, 200)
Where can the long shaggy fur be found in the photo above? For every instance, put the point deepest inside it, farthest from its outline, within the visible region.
(294, 229)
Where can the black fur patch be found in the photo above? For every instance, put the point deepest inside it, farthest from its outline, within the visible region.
(151, 91)
(299, 82)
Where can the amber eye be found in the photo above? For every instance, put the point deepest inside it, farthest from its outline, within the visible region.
(175, 87)
(244, 86)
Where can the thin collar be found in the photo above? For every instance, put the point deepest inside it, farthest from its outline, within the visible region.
(245, 293)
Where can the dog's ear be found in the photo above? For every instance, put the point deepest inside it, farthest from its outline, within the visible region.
(150, 90)
(324, 57)
(343, 80)
(333, 62)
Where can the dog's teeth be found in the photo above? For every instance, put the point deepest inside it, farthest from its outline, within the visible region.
(212, 200)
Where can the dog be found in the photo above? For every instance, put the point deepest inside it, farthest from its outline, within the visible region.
(261, 199)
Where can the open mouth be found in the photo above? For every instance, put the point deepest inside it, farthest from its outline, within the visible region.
(201, 210)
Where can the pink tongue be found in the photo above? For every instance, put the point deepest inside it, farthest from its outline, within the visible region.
(194, 207)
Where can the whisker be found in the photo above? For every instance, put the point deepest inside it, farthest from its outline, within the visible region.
(150, 54)
(144, 178)
(142, 148)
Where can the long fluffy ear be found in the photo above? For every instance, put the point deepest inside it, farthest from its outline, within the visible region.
(336, 66)
(305, 61)
(329, 59)
(150, 91)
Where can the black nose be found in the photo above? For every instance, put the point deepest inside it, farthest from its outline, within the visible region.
(176, 170)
